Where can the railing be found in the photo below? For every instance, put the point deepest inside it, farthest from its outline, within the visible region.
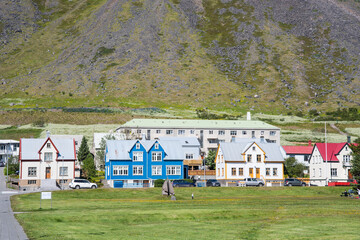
(136, 185)
(201, 172)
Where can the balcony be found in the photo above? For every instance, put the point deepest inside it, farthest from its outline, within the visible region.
(346, 164)
(201, 172)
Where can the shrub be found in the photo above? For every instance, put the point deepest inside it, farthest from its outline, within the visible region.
(159, 182)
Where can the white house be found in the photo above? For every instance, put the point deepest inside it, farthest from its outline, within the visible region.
(46, 162)
(250, 158)
(300, 153)
(330, 162)
(8, 148)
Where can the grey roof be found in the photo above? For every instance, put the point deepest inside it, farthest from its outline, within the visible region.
(185, 141)
(119, 149)
(30, 147)
(4, 141)
(233, 151)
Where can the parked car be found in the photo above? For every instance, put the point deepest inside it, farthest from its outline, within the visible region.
(183, 183)
(251, 182)
(2, 164)
(82, 183)
(293, 182)
(212, 183)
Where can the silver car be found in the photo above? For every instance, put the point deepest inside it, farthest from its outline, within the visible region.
(254, 182)
(82, 183)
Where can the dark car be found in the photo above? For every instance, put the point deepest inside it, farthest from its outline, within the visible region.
(293, 182)
(183, 183)
(2, 164)
(212, 183)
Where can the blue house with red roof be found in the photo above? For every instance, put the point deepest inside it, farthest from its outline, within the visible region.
(138, 163)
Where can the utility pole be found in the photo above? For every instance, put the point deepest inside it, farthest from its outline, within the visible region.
(326, 181)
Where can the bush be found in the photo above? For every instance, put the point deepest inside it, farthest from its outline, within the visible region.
(159, 182)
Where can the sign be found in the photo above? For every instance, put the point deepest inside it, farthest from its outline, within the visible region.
(45, 195)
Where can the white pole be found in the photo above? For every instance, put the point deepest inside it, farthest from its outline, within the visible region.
(62, 183)
(326, 175)
(7, 166)
(204, 172)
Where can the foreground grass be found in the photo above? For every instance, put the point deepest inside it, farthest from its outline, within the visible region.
(220, 213)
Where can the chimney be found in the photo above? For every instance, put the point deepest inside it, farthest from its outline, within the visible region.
(348, 139)
(248, 116)
(47, 133)
(310, 143)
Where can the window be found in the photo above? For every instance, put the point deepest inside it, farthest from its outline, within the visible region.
(48, 145)
(138, 146)
(48, 157)
(222, 171)
(156, 156)
(31, 181)
(32, 171)
(138, 131)
(254, 148)
(173, 170)
(249, 157)
(221, 132)
(137, 170)
(211, 132)
(156, 146)
(63, 171)
(274, 171)
(233, 171)
(192, 131)
(62, 181)
(313, 172)
(334, 172)
(241, 172)
(258, 158)
(272, 133)
(181, 132)
(213, 140)
(233, 133)
(168, 132)
(262, 132)
(218, 172)
(189, 156)
(319, 172)
(120, 170)
(156, 170)
(346, 158)
(76, 143)
(137, 156)
(267, 170)
(244, 132)
(158, 131)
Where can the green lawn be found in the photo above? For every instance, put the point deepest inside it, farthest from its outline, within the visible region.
(215, 213)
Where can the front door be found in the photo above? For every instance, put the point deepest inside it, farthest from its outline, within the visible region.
(258, 173)
(251, 172)
(48, 172)
(350, 176)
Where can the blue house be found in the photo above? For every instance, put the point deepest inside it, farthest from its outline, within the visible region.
(138, 163)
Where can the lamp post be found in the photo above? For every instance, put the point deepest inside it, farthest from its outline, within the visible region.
(7, 165)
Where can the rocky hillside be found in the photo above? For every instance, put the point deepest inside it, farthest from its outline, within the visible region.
(268, 55)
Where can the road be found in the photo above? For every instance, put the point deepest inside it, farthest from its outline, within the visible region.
(10, 229)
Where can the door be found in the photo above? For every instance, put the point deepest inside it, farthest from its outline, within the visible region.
(118, 184)
(258, 173)
(350, 176)
(251, 172)
(48, 172)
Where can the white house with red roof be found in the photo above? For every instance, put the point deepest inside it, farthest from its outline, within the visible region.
(46, 163)
(330, 162)
(300, 153)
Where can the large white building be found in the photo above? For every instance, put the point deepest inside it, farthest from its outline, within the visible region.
(8, 148)
(330, 162)
(252, 158)
(46, 162)
(209, 132)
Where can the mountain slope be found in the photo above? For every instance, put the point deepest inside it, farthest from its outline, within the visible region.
(262, 55)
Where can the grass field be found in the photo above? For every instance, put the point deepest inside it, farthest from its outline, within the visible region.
(215, 213)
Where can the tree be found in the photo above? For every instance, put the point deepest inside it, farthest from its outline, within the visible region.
(13, 165)
(355, 162)
(210, 160)
(293, 168)
(83, 150)
(88, 167)
(100, 154)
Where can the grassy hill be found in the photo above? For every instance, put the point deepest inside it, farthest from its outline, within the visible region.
(267, 56)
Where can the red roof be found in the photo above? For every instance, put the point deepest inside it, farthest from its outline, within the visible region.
(333, 149)
(298, 149)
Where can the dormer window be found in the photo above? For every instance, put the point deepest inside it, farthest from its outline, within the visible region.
(48, 145)
(254, 148)
(138, 146)
(156, 146)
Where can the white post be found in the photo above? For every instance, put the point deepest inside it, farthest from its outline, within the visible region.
(7, 166)
(62, 183)
(204, 172)
(326, 175)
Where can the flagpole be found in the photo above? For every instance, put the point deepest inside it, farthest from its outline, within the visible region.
(326, 181)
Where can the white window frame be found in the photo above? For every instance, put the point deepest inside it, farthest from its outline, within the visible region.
(173, 170)
(47, 158)
(156, 156)
(189, 156)
(211, 132)
(156, 170)
(272, 133)
(221, 132)
(32, 171)
(192, 131)
(275, 171)
(63, 171)
(158, 131)
(120, 170)
(233, 132)
(138, 170)
(333, 172)
(156, 146)
(138, 156)
(137, 146)
(169, 131)
(181, 132)
(346, 158)
(48, 145)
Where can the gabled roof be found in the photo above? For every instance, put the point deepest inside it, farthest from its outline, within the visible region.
(30, 147)
(185, 141)
(5, 141)
(198, 124)
(119, 149)
(233, 151)
(298, 149)
(333, 149)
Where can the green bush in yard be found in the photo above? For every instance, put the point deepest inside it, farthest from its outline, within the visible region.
(159, 182)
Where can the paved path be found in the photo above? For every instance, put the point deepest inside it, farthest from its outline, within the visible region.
(10, 229)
